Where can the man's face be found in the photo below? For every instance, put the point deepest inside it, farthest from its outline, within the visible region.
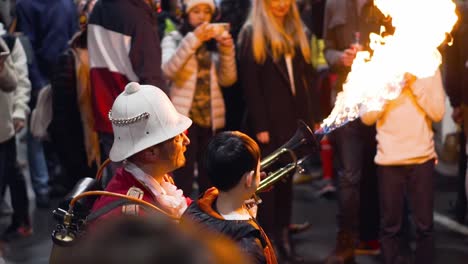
(173, 151)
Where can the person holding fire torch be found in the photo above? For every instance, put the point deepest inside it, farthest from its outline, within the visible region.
(347, 27)
(456, 86)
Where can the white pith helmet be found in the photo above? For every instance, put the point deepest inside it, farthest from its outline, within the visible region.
(143, 116)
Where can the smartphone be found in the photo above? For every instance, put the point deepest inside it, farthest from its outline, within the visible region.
(219, 28)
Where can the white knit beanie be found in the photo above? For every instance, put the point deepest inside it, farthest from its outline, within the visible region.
(189, 4)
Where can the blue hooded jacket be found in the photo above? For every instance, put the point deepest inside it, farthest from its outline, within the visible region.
(49, 25)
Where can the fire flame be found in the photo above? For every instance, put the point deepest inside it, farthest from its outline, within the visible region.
(420, 27)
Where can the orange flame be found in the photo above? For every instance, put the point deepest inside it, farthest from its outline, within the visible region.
(420, 28)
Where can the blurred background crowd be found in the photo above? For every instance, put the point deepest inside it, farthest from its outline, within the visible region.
(72, 59)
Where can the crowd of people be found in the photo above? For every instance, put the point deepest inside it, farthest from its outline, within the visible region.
(185, 97)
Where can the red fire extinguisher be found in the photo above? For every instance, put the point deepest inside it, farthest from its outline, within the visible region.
(326, 155)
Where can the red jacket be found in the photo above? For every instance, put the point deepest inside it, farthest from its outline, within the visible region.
(124, 183)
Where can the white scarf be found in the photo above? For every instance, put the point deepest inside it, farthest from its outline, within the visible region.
(167, 194)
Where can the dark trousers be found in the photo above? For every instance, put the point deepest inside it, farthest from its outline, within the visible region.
(369, 214)
(11, 176)
(461, 202)
(71, 152)
(235, 106)
(416, 182)
(184, 177)
(274, 213)
(358, 210)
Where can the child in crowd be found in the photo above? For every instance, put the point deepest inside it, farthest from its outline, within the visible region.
(198, 59)
(233, 166)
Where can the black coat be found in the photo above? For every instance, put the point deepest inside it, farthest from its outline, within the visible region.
(235, 13)
(456, 78)
(271, 106)
(66, 128)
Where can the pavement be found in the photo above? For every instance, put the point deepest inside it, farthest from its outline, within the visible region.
(314, 244)
(451, 247)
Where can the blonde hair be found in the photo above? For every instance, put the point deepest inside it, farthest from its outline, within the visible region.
(268, 35)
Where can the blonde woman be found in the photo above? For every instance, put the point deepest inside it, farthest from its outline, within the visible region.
(276, 77)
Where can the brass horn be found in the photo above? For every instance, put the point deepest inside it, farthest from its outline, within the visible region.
(303, 138)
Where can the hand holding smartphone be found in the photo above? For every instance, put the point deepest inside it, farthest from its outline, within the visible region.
(220, 28)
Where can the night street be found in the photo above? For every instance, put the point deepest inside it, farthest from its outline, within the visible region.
(195, 112)
(314, 244)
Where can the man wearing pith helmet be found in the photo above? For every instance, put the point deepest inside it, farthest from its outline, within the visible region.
(149, 138)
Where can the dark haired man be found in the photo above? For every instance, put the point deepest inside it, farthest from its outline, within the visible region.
(347, 26)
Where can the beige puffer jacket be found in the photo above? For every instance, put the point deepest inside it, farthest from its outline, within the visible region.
(180, 66)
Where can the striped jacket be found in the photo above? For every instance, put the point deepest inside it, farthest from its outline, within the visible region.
(124, 46)
(180, 65)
